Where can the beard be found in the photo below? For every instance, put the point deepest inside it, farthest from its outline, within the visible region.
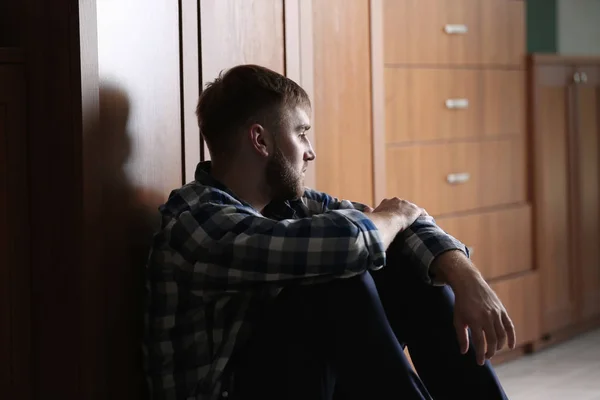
(285, 182)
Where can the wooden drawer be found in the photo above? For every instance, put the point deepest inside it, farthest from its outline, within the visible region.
(415, 32)
(432, 104)
(500, 241)
(503, 32)
(454, 177)
(504, 105)
(521, 298)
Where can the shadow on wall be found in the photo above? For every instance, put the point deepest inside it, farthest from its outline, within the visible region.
(126, 218)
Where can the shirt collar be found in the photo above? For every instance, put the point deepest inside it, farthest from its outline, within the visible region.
(277, 210)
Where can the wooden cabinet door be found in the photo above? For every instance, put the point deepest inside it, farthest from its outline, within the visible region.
(503, 32)
(551, 194)
(342, 101)
(520, 296)
(15, 276)
(587, 200)
(504, 102)
(499, 240)
(432, 104)
(234, 32)
(432, 32)
(456, 177)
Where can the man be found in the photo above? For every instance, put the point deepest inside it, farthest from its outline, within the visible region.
(262, 289)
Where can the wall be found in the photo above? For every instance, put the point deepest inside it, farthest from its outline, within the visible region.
(578, 27)
(541, 26)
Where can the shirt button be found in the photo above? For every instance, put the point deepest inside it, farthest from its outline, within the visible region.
(225, 394)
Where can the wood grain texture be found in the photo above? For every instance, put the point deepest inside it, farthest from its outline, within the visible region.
(190, 86)
(520, 296)
(499, 241)
(551, 196)
(558, 59)
(416, 104)
(5, 264)
(504, 109)
(234, 32)
(54, 136)
(15, 248)
(588, 172)
(299, 59)
(414, 32)
(241, 32)
(378, 99)
(496, 168)
(342, 103)
(503, 33)
(139, 151)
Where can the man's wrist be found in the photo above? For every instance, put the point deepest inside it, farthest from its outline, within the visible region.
(453, 267)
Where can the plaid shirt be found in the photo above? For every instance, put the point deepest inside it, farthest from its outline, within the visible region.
(216, 260)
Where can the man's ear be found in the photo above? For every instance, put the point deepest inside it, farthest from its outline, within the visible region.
(260, 140)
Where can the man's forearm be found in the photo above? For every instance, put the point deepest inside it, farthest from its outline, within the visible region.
(453, 267)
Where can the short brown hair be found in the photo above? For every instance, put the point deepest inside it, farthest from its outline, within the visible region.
(244, 95)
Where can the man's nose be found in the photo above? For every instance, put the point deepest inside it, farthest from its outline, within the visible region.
(309, 155)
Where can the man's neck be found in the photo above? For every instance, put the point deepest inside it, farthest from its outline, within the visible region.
(245, 185)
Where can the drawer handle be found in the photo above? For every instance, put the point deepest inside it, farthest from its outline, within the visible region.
(457, 104)
(458, 178)
(456, 29)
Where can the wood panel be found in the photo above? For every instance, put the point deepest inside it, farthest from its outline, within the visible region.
(190, 86)
(520, 296)
(416, 108)
(230, 36)
(414, 32)
(504, 106)
(503, 32)
(550, 194)
(588, 171)
(138, 158)
(496, 171)
(5, 262)
(342, 102)
(499, 241)
(15, 267)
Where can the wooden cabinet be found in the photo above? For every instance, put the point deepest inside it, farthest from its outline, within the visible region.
(432, 32)
(15, 268)
(504, 107)
(499, 241)
(566, 187)
(587, 175)
(342, 99)
(458, 177)
(432, 104)
(503, 32)
(455, 143)
(520, 296)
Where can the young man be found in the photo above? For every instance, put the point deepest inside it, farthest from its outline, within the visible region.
(262, 289)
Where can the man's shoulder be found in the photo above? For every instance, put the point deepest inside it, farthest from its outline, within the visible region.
(318, 201)
(193, 195)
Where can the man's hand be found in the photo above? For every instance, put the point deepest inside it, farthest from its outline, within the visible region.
(476, 307)
(393, 216)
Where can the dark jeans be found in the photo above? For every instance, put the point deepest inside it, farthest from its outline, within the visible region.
(343, 340)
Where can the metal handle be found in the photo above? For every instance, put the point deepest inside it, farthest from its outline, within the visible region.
(455, 104)
(584, 77)
(577, 77)
(458, 178)
(456, 29)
